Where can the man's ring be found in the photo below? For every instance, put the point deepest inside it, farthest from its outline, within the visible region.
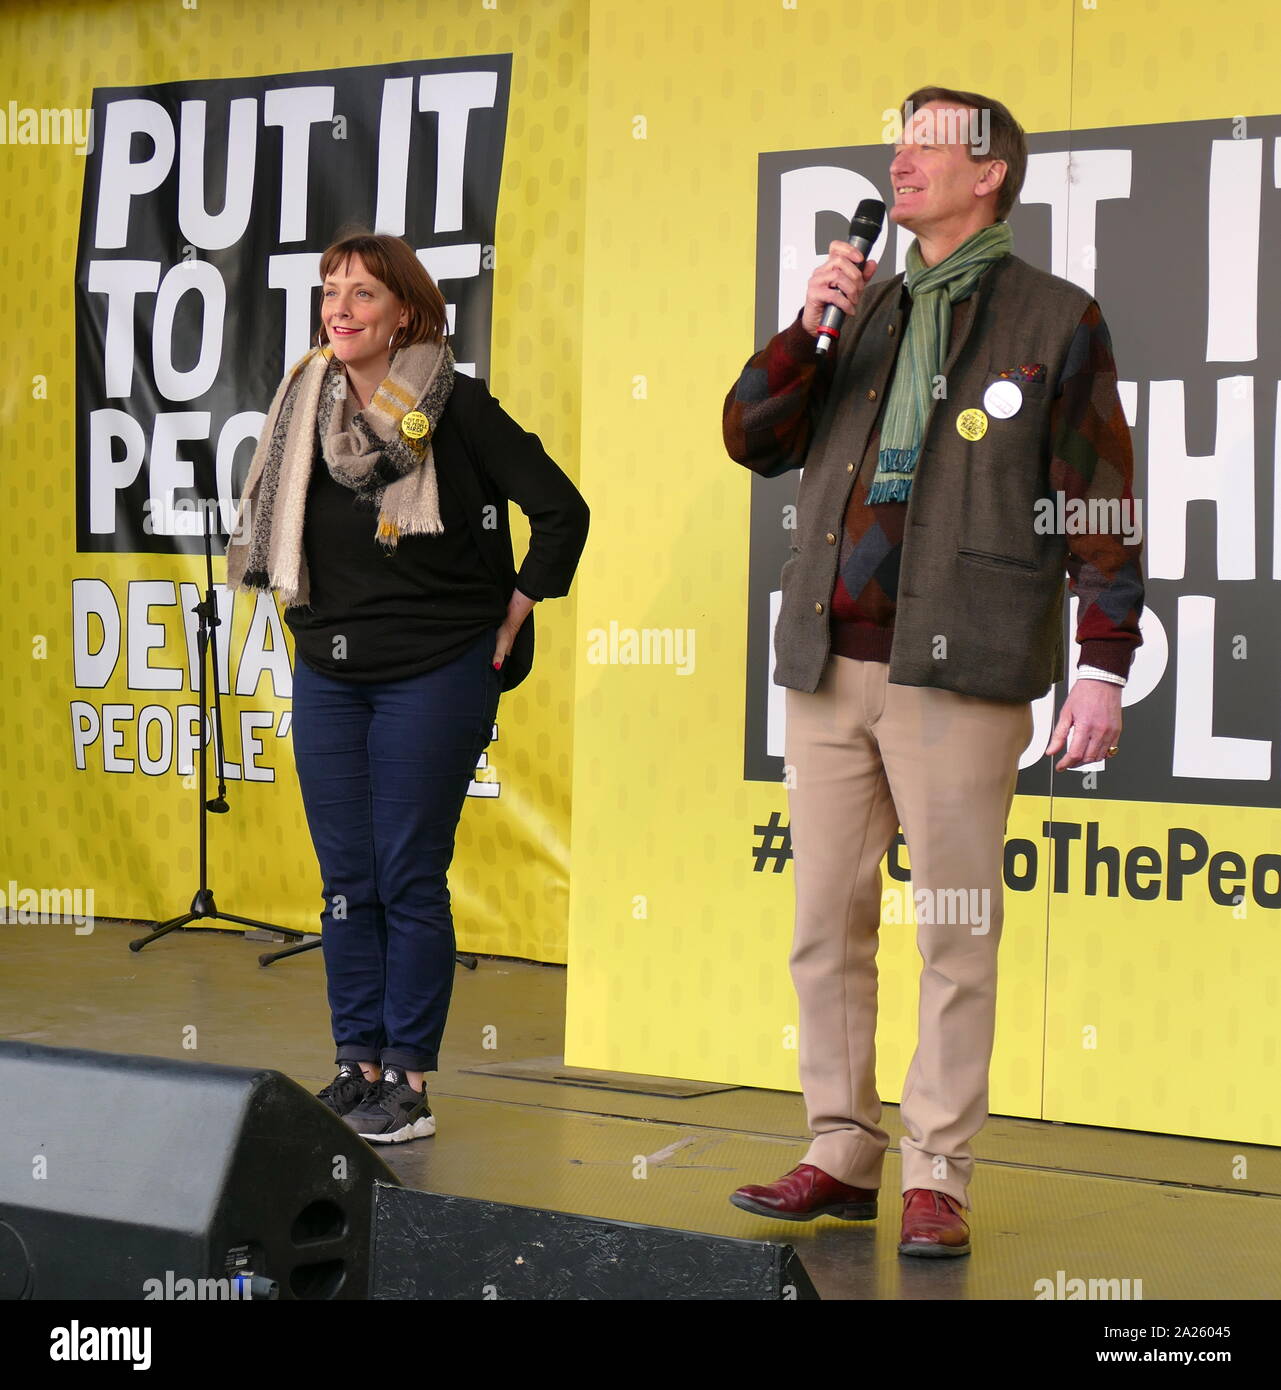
(1112, 751)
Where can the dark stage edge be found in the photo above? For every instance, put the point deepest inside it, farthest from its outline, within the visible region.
(1093, 1203)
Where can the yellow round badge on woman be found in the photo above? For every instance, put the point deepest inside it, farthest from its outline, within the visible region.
(415, 425)
(971, 425)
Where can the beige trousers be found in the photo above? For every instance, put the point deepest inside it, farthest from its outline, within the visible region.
(866, 757)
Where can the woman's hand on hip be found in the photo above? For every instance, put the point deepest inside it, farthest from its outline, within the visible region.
(519, 608)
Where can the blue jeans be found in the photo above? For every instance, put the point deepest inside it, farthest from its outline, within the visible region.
(384, 770)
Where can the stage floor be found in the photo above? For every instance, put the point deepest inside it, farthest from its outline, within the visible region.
(1092, 1203)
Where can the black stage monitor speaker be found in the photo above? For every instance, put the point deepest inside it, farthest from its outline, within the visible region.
(427, 1245)
(141, 1177)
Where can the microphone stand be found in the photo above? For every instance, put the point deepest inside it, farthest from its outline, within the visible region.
(203, 905)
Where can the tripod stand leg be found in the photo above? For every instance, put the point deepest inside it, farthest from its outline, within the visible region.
(293, 932)
(267, 957)
(163, 930)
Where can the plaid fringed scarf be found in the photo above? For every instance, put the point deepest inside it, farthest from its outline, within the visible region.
(382, 453)
(934, 289)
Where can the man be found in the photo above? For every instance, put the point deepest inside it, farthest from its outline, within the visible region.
(966, 406)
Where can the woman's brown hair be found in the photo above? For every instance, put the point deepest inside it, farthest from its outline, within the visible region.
(391, 259)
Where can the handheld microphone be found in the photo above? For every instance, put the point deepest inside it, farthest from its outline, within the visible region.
(865, 227)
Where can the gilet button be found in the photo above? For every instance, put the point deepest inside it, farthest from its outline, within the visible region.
(890, 330)
(831, 539)
(871, 395)
(818, 608)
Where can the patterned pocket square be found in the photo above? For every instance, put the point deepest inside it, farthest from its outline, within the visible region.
(1026, 372)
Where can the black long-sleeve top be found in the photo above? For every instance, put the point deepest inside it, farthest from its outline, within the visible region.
(379, 615)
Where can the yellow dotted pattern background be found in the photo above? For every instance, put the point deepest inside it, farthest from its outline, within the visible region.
(678, 950)
(133, 838)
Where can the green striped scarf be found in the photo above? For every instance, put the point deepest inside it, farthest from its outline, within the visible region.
(934, 289)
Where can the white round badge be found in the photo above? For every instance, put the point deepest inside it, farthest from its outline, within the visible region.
(1003, 399)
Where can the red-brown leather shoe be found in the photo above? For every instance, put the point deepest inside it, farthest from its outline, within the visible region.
(932, 1224)
(807, 1192)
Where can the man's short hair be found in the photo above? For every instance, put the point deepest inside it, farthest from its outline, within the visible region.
(1006, 140)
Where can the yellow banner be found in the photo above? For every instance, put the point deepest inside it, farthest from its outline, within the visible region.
(99, 714)
(1149, 1006)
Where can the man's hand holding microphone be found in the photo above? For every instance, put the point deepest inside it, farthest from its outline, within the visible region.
(837, 285)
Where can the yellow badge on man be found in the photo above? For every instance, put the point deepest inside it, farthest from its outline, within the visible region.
(971, 425)
(415, 425)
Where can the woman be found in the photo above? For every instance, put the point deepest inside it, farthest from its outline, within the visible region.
(376, 509)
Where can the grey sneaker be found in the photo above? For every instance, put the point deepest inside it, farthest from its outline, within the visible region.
(393, 1111)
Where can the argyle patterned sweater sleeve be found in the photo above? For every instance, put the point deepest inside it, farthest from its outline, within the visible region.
(1092, 469)
(772, 409)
